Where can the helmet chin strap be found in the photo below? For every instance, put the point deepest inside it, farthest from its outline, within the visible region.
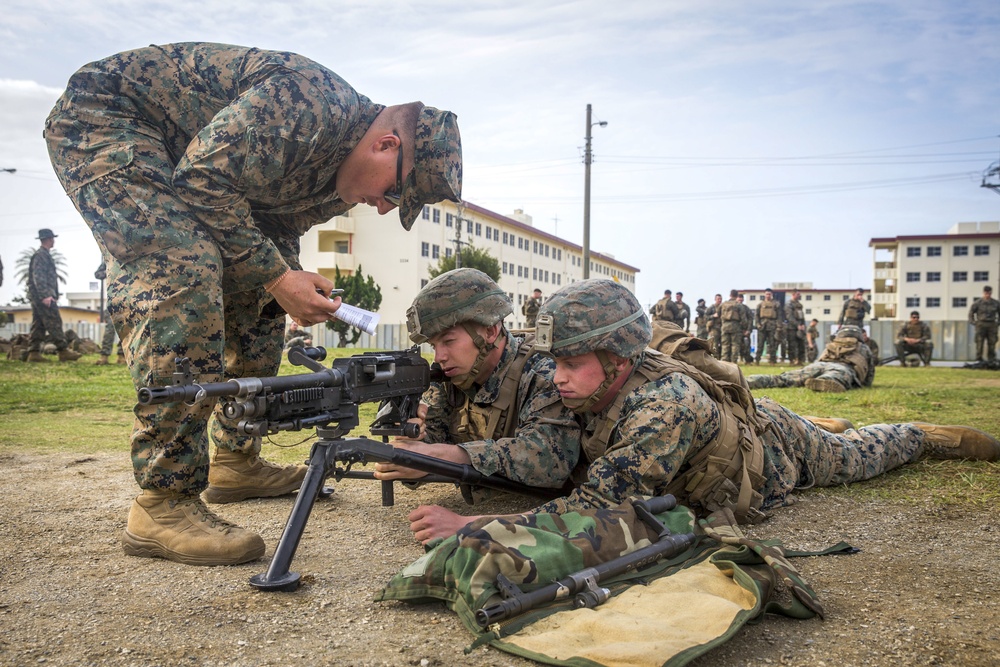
(583, 405)
(466, 380)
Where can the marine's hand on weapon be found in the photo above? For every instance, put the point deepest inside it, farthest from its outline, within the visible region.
(421, 420)
(439, 450)
(305, 297)
(429, 522)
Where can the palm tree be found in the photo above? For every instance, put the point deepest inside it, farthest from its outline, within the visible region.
(24, 262)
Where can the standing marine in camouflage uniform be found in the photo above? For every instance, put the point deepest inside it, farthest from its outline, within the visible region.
(683, 312)
(914, 337)
(812, 340)
(846, 363)
(498, 410)
(198, 166)
(108, 340)
(714, 316)
(984, 315)
(855, 309)
(769, 313)
(684, 423)
(731, 314)
(747, 325)
(43, 293)
(795, 331)
(665, 310)
(530, 308)
(701, 320)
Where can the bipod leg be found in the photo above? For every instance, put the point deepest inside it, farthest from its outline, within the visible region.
(278, 577)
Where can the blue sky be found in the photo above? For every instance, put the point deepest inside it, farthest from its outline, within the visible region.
(747, 143)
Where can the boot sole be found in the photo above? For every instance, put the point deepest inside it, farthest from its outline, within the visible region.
(827, 386)
(221, 496)
(134, 545)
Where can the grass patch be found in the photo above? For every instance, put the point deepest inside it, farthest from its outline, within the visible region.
(82, 408)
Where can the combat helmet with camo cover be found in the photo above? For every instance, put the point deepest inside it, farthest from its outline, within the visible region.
(851, 331)
(465, 297)
(595, 315)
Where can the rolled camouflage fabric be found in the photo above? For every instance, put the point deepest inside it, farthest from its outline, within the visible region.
(591, 315)
(462, 295)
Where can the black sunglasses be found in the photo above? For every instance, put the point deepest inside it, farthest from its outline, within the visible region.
(396, 195)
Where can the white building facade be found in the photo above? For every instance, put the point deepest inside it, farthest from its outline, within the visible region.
(398, 261)
(938, 275)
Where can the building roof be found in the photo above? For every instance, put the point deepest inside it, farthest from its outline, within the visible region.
(932, 237)
(552, 238)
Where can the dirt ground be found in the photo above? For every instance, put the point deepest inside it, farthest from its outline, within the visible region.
(925, 589)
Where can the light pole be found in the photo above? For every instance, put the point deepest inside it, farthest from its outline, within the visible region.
(587, 158)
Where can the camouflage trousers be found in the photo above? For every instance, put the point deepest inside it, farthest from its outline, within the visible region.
(165, 294)
(731, 344)
(828, 370)
(796, 346)
(767, 336)
(800, 455)
(925, 350)
(45, 320)
(715, 337)
(986, 337)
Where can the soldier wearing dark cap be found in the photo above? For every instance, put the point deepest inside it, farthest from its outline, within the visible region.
(198, 166)
(43, 293)
(683, 423)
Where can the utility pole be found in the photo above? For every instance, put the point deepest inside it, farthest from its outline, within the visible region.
(458, 235)
(587, 159)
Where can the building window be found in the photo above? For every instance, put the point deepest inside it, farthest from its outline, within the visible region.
(468, 226)
(425, 249)
(933, 251)
(826, 311)
(809, 311)
(437, 216)
(933, 276)
(546, 249)
(447, 252)
(534, 274)
(959, 302)
(559, 254)
(479, 229)
(534, 247)
(520, 243)
(435, 251)
(426, 213)
(343, 247)
(981, 276)
(423, 283)
(505, 235)
(959, 276)
(933, 302)
(960, 251)
(546, 276)
(913, 251)
(753, 297)
(449, 220)
(913, 302)
(913, 276)
(826, 297)
(982, 250)
(809, 297)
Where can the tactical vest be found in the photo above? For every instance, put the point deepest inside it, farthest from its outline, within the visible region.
(854, 310)
(847, 351)
(726, 472)
(473, 421)
(730, 311)
(769, 310)
(911, 330)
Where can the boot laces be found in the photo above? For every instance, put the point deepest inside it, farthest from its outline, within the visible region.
(204, 514)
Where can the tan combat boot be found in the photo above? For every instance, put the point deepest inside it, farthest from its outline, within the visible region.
(180, 528)
(958, 442)
(825, 385)
(121, 360)
(35, 356)
(69, 355)
(233, 476)
(830, 424)
(103, 361)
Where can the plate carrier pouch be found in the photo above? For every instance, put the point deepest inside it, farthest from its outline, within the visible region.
(853, 310)
(769, 310)
(725, 473)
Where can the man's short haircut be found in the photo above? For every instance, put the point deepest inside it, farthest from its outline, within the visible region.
(680, 294)
(988, 289)
(666, 292)
(733, 293)
(915, 312)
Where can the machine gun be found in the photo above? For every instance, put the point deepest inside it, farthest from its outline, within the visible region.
(583, 586)
(327, 399)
